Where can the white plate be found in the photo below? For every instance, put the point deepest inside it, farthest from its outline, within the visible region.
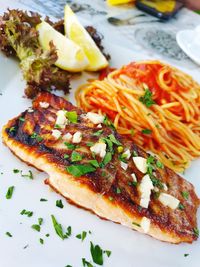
(128, 247)
(189, 42)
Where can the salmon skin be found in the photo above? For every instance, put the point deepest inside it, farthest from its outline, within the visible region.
(95, 168)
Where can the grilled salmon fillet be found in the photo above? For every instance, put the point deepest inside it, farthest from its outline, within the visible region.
(94, 167)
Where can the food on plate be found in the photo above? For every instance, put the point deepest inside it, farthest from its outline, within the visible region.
(20, 38)
(70, 56)
(76, 32)
(93, 166)
(154, 104)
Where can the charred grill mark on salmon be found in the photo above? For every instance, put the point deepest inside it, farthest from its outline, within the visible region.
(119, 181)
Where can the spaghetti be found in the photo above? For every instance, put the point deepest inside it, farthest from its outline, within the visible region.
(156, 105)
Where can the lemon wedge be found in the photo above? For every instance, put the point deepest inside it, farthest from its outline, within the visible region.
(71, 57)
(77, 33)
(118, 2)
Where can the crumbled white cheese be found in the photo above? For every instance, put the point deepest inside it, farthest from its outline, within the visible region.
(99, 149)
(77, 137)
(140, 163)
(145, 188)
(61, 120)
(145, 224)
(156, 189)
(124, 165)
(95, 118)
(56, 133)
(134, 177)
(165, 187)
(99, 126)
(168, 200)
(30, 110)
(44, 104)
(127, 154)
(67, 137)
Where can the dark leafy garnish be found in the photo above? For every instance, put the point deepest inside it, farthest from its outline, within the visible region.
(181, 206)
(98, 133)
(79, 170)
(137, 224)
(97, 253)
(75, 156)
(36, 227)
(146, 131)
(59, 203)
(10, 192)
(196, 232)
(41, 241)
(26, 212)
(185, 194)
(86, 263)
(29, 175)
(70, 146)
(82, 236)
(59, 230)
(9, 234)
(43, 199)
(147, 99)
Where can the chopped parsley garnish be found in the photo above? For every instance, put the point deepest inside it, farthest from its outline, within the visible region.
(72, 116)
(156, 182)
(146, 131)
(43, 199)
(118, 190)
(181, 206)
(66, 156)
(57, 126)
(75, 156)
(10, 192)
(9, 234)
(70, 146)
(185, 194)
(137, 224)
(59, 203)
(26, 212)
(47, 235)
(30, 175)
(22, 119)
(146, 99)
(41, 241)
(37, 137)
(132, 132)
(86, 263)
(98, 133)
(108, 123)
(59, 230)
(97, 253)
(122, 157)
(12, 129)
(94, 163)
(132, 183)
(108, 253)
(186, 254)
(106, 159)
(68, 265)
(16, 171)
(36, 227)
(79, 170)
(82, 236)
(135, 154)
(110, 198)
(159, 164)
(40, 221)
(196, 231)
(114, 140)
(90, 144)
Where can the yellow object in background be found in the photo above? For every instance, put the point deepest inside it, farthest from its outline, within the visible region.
(118, 2)
(161, 6)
